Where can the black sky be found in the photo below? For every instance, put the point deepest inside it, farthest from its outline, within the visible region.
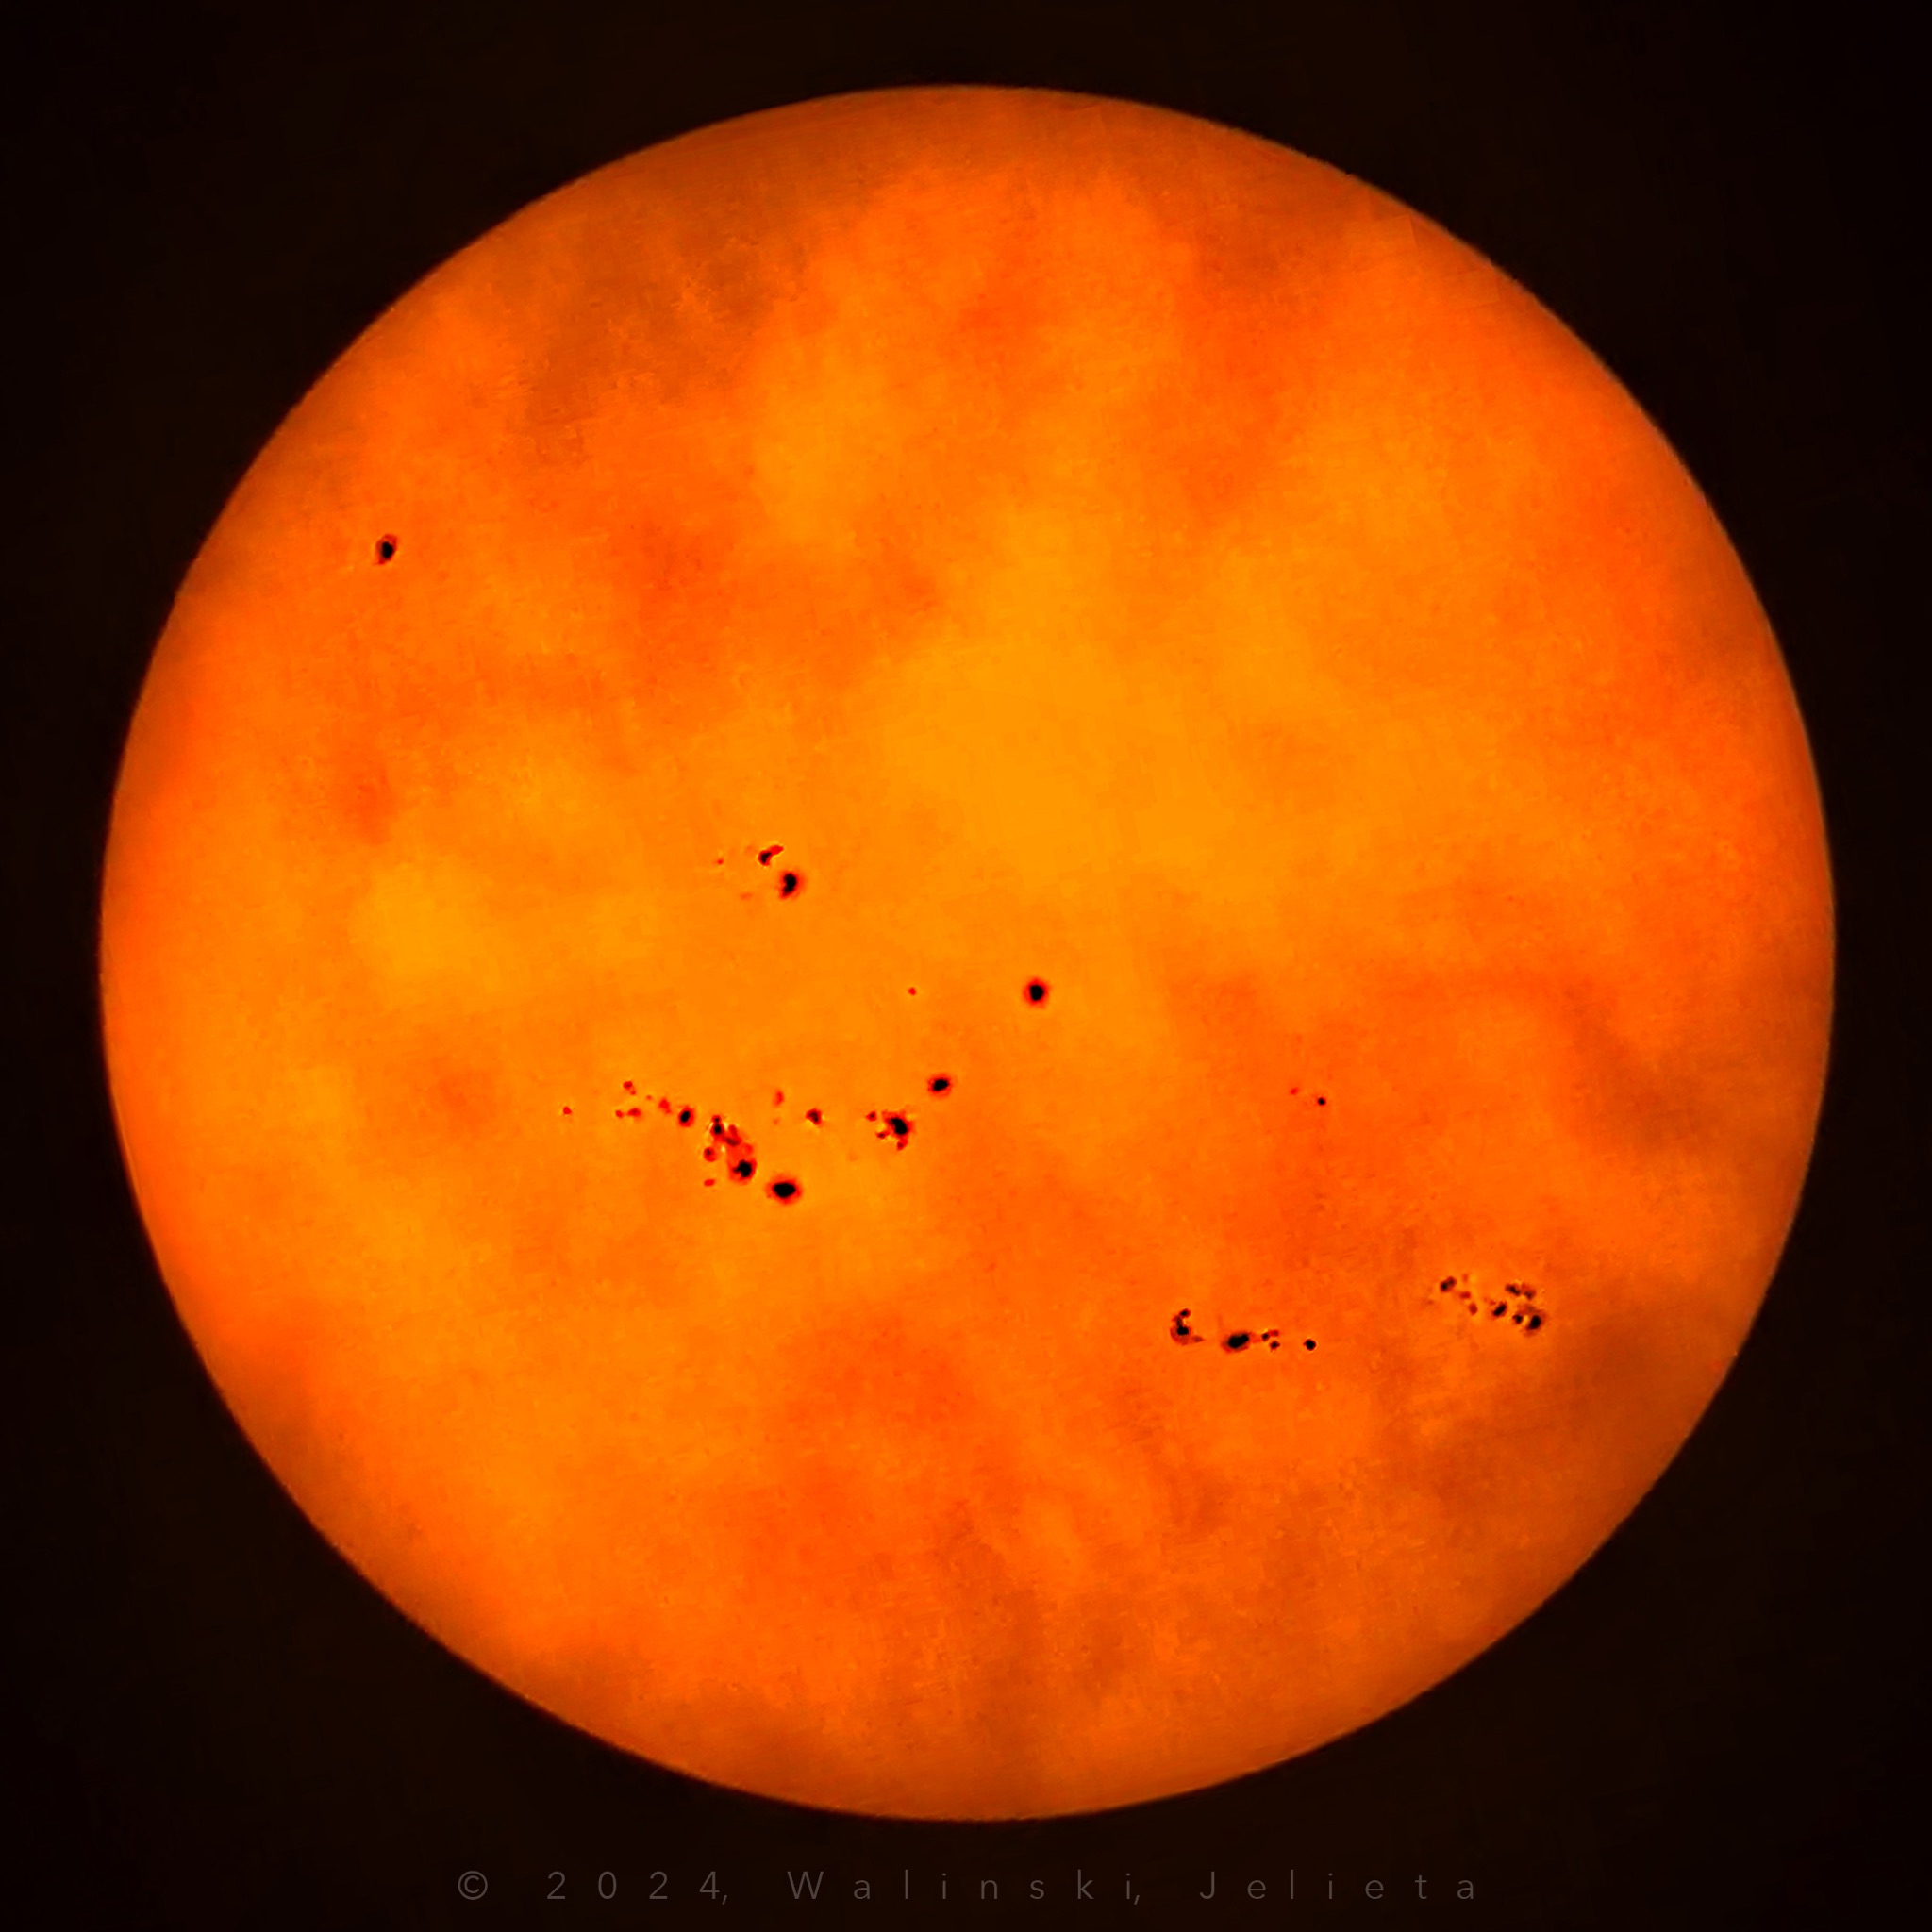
(210, 1720)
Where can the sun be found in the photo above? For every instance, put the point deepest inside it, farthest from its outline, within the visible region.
(967, 953)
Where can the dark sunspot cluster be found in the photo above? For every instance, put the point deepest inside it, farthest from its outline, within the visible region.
(1517, 1303)
(726, 1145)
(1235, 1342)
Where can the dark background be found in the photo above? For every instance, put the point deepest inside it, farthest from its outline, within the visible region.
(207, 1719)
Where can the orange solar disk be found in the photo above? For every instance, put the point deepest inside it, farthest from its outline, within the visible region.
(967, 953)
